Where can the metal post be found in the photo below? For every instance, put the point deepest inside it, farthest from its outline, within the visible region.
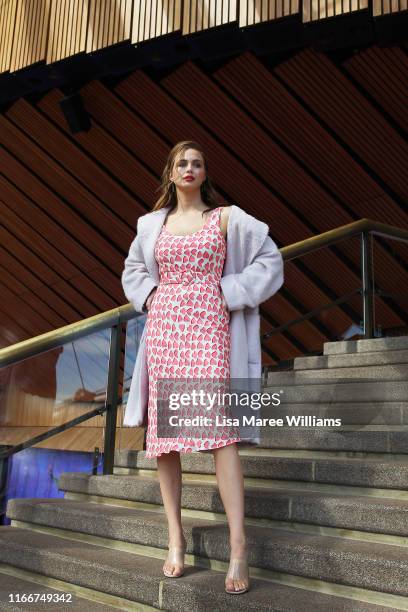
(112, 399)
(367, 287)
(3, 487)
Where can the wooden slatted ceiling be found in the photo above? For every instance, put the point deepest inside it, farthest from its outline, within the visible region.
(109, 23)
(252, 12)
(30, 33)
(155, 18)
(347, 187)
(304, 164)
(382, 72)
(350, 115)
(8, 10)
(67, 31)
(51, 30)
(314, 10)
(203, 14)
(387, 7)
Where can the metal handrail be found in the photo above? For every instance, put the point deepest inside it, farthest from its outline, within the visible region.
(67, 333)
(311, 314)
(115, 317)
(313, 243)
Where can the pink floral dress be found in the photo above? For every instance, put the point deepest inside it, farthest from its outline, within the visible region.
(187, 332)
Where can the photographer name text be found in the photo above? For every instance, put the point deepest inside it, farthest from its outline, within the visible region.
(253, 421)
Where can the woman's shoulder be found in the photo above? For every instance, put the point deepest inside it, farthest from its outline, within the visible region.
(225, 213)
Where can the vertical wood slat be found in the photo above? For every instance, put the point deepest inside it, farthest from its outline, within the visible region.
(205, 14)
(30, 34)
(109, 22)
(153, 9)
(314, 10)
(67, 29)
(152, 18)
(8, 16)
(96, 29)
(22, 38)
(212, 14)
(163, 15)
(114, 19)
(72, 29)
(31, 41)
(193, 17)
(243, 13)
(106, 21)
(147, 24)
(252, 12)
(200, 15)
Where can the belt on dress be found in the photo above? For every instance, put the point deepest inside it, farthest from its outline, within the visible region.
(188, 281)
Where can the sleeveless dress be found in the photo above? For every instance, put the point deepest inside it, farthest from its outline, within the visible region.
(187, 334)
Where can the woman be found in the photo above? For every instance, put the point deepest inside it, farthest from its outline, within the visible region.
(187, 336)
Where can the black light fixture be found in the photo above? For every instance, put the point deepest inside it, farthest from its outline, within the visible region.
(75, 113)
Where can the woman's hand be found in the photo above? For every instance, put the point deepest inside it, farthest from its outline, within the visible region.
(150, 298)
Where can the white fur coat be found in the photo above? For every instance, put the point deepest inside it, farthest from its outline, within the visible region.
(253, 272)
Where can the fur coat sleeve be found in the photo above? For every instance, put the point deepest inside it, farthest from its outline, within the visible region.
(137, 282)
(253, 270)
(258, 281)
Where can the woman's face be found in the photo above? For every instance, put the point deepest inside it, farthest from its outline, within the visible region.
(188, 163)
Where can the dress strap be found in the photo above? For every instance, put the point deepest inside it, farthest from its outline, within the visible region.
(215, 216)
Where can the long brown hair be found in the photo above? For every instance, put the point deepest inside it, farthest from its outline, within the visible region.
(168, 193)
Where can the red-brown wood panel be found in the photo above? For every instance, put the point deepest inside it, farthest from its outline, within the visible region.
(63, 166)
(382, 73)
(350, 116)
(114, 158)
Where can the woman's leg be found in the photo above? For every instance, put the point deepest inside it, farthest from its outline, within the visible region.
(169, 469)
(231, 486)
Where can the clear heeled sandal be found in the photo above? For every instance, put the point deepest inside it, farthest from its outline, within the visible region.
(238, 570)
(175, 557)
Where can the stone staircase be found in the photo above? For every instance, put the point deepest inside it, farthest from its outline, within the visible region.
(326, 508)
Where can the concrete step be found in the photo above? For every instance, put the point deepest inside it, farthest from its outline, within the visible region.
(346, 512)
(353, 413)
(362, 470)
(15, 589)
(344, 360)
(369, 565)
(302, 391)
(397, 372)
(135, 578)
(366, 346)
(322, 438)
